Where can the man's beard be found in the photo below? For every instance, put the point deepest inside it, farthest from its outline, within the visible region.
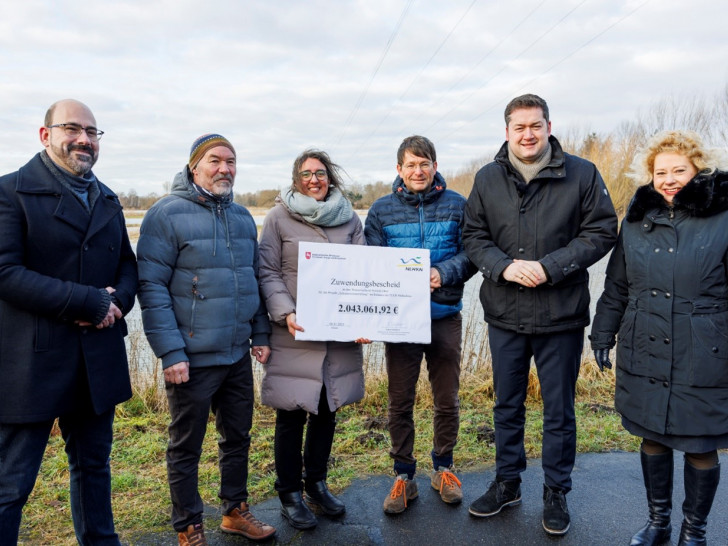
(222, 190)
(77, 166)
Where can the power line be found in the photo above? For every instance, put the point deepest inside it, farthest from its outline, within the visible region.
(398, 100)
(505, 65)
(364, 93)
(550, 68)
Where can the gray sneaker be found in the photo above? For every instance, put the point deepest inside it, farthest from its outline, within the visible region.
(402, 492)
(500, 495)
(447, 483)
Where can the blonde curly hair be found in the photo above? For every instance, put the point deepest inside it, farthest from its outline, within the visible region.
(687, 143)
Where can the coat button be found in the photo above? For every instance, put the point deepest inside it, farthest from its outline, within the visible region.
(522, 210)
(652, 381)
(714, 349)
(85, 247)
(521, 327)
(657, 250)
(667, 341)
(653, 293)
(665, 384)
(521, 288)
(668, 295)
(521, 250)
(652, 337)
(670, 249)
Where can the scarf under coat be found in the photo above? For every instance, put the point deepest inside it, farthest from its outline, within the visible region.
(333, 211)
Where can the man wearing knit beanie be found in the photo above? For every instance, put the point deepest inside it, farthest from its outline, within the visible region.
(203, 315)
(205, 143)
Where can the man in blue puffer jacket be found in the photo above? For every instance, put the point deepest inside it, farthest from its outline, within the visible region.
(422, 213)
(198, 269)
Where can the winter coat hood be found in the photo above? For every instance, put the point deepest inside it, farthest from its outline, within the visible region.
(400, 190)
(704, 196)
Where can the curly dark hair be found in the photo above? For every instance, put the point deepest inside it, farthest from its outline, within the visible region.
(333, 170)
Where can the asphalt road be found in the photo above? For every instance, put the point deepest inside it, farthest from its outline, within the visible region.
(607, 505)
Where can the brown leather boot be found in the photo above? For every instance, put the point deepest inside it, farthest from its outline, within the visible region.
(241, 522)
(193, 536)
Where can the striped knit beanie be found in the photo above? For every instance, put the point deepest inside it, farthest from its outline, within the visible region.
(204, 143)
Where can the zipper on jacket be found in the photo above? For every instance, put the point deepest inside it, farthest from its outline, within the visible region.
(421, 208)
(196, 294)
(671, 212)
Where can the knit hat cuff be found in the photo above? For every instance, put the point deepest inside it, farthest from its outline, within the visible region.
(205, 143)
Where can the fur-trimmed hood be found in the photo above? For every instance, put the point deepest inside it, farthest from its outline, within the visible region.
(705, 195)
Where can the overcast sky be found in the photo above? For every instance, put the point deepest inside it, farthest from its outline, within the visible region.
(351, 77)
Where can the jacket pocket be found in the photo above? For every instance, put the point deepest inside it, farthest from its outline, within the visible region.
(42, 335)
(709, 358)
(568, 302)
(625, 344)
(196, 296)
(497, 299)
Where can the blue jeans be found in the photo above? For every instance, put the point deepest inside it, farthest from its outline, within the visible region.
(88, 446)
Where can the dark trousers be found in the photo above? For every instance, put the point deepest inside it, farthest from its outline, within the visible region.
(558, 358)
(289, 442)
(404, 361)
(88, 445)
(228, 391)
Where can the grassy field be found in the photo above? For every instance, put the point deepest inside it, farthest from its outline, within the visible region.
(140, 494)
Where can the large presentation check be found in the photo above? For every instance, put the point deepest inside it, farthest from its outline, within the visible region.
(347, 292)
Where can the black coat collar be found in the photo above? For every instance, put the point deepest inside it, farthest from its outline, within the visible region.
(705, 195)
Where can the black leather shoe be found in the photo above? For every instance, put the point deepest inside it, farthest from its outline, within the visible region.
(295, 510)
(556, 520)
(318, 495)
(500, 495)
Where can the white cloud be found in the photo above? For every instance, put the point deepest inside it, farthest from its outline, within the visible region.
(276, 77)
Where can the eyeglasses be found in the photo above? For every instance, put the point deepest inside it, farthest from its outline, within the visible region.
(425, 166)
(308, 175)
(73, 130)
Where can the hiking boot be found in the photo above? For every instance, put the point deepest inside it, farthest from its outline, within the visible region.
(556, 518)
(500, 495)
(193, 536)
(241, 522)
(447, 484)
(403, 491)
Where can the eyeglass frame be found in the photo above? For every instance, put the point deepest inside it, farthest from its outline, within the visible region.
(424, 166)
(78, 128)
(307, 176)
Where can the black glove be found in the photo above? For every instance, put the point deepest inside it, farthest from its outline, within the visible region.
(601, 357)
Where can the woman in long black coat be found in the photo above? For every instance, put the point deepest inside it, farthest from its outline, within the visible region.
(666, 300)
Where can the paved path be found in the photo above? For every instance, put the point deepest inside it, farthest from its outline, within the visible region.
(607, 504)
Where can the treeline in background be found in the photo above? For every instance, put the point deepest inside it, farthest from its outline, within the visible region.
(611, 152)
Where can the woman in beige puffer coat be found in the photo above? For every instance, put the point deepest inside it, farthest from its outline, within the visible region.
(306, 381)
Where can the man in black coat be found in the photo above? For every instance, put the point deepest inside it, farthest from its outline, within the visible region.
(67, 277)
(535, 220)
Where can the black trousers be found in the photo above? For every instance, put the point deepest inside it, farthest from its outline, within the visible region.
(558, 358)
(228, 391)
(289, 442)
